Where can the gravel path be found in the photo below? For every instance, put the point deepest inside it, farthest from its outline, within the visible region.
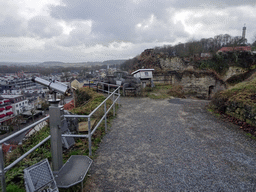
(172, 145)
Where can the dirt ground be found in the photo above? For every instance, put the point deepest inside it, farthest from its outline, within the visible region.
(172, 145)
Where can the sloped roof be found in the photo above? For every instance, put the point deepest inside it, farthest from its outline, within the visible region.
(140, 70)
(238, 48)
(69, 105)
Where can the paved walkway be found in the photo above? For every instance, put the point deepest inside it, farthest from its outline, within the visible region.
(172, 145)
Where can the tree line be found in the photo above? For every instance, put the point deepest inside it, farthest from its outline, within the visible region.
(193, 47)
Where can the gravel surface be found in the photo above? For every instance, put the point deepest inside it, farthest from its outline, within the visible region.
(172, 145)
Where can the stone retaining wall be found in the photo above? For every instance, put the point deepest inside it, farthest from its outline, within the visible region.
(241, 111)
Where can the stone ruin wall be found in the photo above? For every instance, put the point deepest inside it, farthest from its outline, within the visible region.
(201, 84)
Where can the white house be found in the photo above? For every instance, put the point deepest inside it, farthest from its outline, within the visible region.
(145, 75)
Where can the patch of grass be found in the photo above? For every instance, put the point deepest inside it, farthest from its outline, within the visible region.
(14, 188)
(214, 112)
(250, 135)
(163, 91)
(210, 110)
(90, 105)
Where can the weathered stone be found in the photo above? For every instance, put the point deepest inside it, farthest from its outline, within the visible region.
(205, 84)
(174, 63)
(233, 71)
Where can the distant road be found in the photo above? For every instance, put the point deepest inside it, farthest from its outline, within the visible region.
(172, 145)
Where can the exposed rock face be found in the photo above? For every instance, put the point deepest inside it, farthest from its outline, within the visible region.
(201, 84)
(174, 63)
(233, 71)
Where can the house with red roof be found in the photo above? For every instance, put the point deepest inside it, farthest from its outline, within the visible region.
(233, 49)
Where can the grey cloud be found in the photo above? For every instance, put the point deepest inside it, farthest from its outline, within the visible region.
(212, 3)
(11, 27)
(44, 27)
(115, 20)
(231, 22)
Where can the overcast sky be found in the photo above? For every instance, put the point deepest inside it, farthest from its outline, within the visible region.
(98, 30)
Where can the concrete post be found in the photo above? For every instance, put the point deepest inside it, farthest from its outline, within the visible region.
(3, 184)
(56, 117)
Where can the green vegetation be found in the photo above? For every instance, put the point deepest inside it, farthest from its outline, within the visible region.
(94, 99)
(14, 177)
(162, 91)
(218, 63)
(14, 188)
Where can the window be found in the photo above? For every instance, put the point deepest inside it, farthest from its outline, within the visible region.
(146, 73)
(17, 105)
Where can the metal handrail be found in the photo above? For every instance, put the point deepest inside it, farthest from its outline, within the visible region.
(90, 133)
(112, 85)
(104, 101)
(23, 130)
(26, 154)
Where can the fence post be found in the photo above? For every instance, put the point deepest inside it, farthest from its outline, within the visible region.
(118, 102)
(105, 110)
(3, 184)
(55, 129)
(114, 106)
(90, 136)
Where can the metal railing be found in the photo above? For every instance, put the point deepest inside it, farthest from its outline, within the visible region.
(104, 117)
(55, 135)
(109, 86)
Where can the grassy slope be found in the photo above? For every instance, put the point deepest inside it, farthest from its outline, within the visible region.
(238, 104)
(242, 92)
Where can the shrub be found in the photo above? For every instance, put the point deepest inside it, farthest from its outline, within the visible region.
(176, 91)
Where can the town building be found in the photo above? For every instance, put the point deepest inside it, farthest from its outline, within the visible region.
(6, 110)
(18, 103)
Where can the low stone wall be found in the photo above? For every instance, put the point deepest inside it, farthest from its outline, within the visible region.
(37, 128)
(241, 111)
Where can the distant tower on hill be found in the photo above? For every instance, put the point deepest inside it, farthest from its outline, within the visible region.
(243, 35)
(244, 31)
